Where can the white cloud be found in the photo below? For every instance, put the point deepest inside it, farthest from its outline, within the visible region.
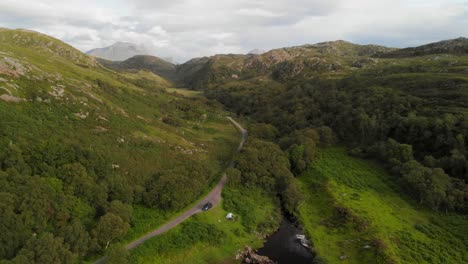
(258, 12)
(188, 28)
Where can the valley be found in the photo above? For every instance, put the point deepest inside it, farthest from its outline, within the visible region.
(364, 147)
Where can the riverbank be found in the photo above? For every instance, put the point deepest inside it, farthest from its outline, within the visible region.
(284, 247)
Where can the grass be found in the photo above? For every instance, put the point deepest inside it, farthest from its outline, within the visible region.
(353, 211)
(177, 245)
(184, 92)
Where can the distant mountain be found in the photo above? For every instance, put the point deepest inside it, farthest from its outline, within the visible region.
(153, 64)
(119, 51)
(457, 46)
(256, 52)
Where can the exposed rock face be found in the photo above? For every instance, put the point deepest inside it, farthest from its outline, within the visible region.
(119, 51)
(249, 256)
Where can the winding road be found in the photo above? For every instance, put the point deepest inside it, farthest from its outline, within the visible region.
(214, 197)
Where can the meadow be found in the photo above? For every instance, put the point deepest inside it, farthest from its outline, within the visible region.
(355, 213)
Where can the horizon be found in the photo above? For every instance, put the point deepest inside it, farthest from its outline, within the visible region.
(266, 51)
(186, 29)
(172, 61)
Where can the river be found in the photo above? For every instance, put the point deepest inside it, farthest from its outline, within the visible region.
(284, 248)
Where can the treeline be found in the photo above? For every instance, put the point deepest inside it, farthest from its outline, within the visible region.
(432, 131)
(425, 181)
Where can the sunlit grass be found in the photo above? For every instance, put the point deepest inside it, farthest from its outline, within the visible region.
(411, 234)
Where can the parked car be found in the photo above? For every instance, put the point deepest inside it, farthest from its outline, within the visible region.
(207, 206)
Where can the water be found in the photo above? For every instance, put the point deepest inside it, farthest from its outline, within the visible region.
(284, 248)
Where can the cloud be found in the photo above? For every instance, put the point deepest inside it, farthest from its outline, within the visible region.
(258, 12)
(184, 29)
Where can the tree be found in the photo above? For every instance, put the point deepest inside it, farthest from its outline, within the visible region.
(234, 176)
(327, 136)
(296, 156)
(13, 158)
(77, 237)
(264, 131)
(292, 197)
(46, 249)
(122, 210)
(119, 188)
(117, 254)
(12, 230)
(109, 228)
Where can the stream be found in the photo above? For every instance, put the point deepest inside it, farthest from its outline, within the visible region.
(284, 248)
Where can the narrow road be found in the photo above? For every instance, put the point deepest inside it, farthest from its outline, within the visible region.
(214, 197)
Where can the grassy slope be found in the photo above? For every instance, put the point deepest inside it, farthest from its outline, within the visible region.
(141, 126)
(409, 234)
(124, 119)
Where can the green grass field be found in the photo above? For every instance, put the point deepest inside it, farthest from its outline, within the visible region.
(354, 212)
(184, 92)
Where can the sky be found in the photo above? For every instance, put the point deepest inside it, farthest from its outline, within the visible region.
(185, 29)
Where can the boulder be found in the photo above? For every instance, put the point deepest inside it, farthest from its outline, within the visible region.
(249, 256)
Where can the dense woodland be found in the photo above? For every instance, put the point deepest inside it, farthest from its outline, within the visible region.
(423, 141)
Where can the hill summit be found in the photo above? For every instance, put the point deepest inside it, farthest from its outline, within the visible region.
(119, 51)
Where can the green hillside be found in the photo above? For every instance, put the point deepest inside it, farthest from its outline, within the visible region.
(404, 108)
(356, 213)
(82, 145)
(144, 62)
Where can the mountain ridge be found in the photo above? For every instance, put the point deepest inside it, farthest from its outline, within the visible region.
(150, 63)
(457, 46)
(283, 64)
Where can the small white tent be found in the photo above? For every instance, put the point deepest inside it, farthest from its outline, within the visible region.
(229, 216)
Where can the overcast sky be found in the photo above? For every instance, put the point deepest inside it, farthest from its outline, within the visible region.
(184, 29)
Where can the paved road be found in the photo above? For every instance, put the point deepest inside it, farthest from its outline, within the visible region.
(214, 197)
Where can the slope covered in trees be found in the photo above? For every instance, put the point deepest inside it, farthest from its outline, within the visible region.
(82, 145)
(409, 113)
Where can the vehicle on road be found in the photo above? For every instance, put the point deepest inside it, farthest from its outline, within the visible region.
(207, 206)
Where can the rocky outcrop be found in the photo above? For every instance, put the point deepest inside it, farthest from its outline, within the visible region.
(11, 98)
(249, 256)
(12, 67)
